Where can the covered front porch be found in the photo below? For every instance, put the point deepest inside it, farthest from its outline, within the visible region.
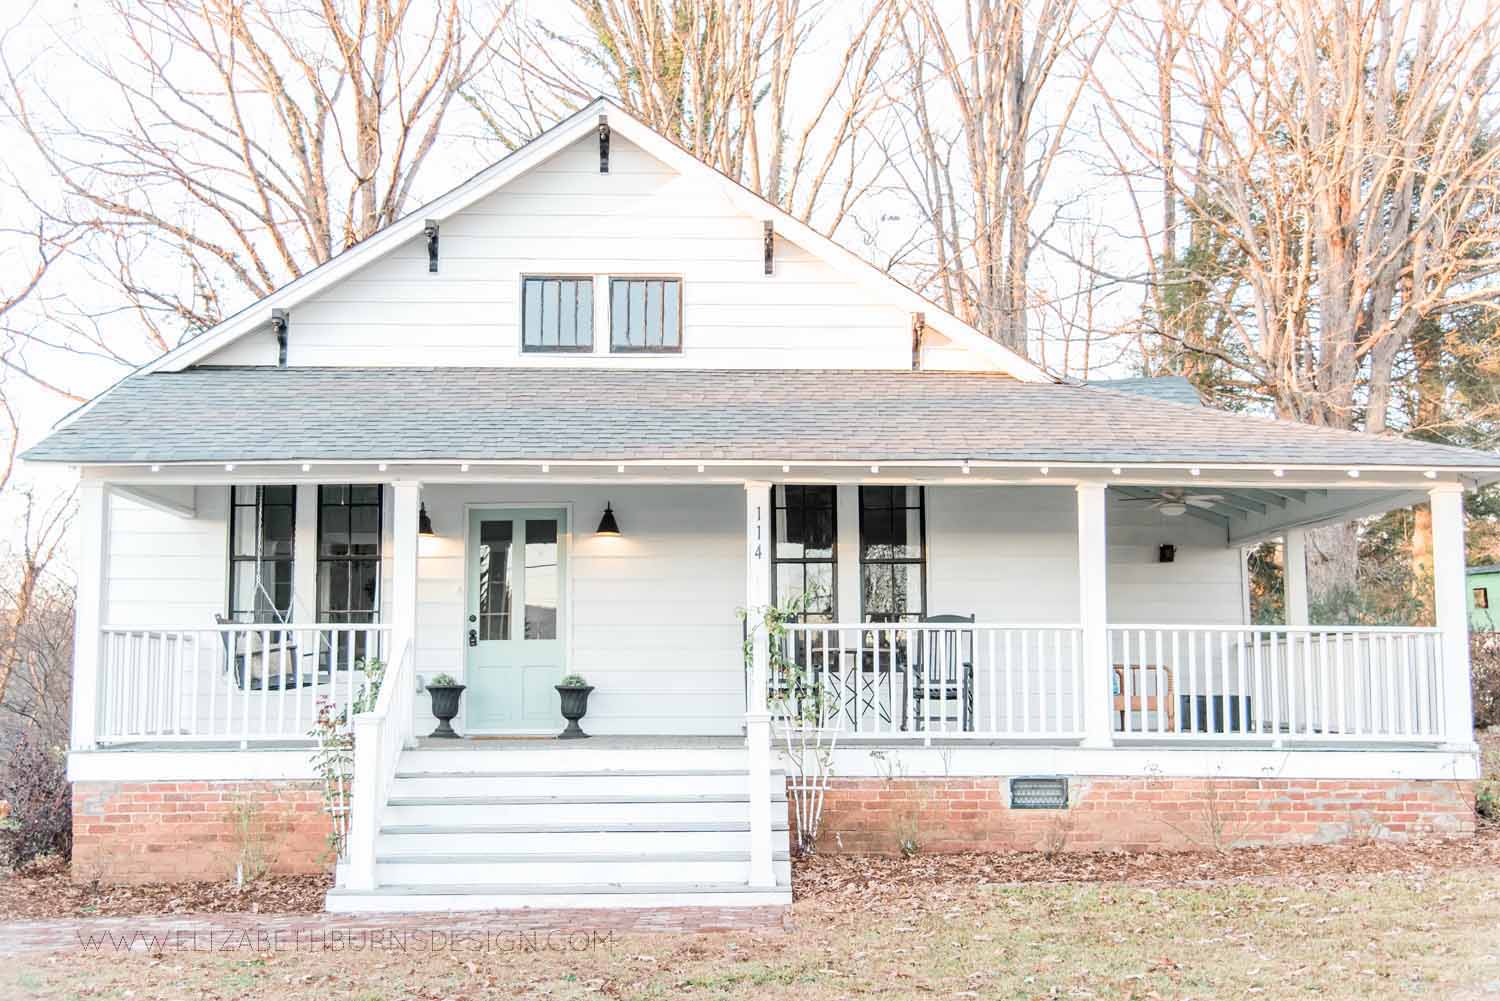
(971, 603)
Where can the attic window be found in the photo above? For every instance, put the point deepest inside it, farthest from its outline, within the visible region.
(557, 314)
(645, 314)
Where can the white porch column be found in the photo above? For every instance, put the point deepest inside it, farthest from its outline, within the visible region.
(1093, 615)
(89, 609)
(1294, 575)
(407, 502)
(1451, 604)
(757, 717)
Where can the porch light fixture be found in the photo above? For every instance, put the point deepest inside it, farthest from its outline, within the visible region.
(156, 467)
(1196, 471)
(424, 523)
(700, 467)
(966, 469)
(1354, 474)
(1116, 471)
(307, 467)
(546, 468)
(619, 469)
(874, 469)
(1278, 472)
(1044, 470)
(382, 467)
(607, 524)
(228, 467)
(1431, 474)
(786, 468)
(463, 467)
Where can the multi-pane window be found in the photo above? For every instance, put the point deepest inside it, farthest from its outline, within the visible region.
(645, 314)
(805, 559)
(541, 580)
(893, 553)
(557, 314)
(349, 553)
(262, 525)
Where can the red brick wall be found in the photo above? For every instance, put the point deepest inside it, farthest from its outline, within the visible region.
(138, 832)
(971, 814)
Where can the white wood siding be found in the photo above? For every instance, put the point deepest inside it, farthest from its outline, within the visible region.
(566, 218)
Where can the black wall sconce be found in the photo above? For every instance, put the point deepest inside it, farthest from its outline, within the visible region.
(607, 524)
(424, 523)
(1167, 553)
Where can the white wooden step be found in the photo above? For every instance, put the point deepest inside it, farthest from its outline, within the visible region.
(603, 783)
(548, 757)
(592, 867)
(658, 836)
(488, 897)
(449, 811)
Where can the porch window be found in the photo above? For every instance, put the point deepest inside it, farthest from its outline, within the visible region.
(349, 519)
(1481, 597)
(893, 553)
(262, 524)
(557, 314)
(804, 523)
(645, 314)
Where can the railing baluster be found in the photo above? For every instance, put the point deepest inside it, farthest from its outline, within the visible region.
(1126, 687)
(1323, 680)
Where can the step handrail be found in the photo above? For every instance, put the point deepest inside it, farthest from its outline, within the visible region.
(379, 737)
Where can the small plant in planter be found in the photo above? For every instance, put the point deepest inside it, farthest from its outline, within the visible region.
(574, 692)
(445, 692)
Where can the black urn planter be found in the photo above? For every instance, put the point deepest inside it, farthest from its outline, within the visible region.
(445, 707)
(575, 703)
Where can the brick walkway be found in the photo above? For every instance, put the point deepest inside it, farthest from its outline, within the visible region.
(539, 930)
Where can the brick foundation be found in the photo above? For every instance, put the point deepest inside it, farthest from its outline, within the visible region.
(874, 815)
(141, 832)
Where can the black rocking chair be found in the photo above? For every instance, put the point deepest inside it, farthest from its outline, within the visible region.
(943, 675)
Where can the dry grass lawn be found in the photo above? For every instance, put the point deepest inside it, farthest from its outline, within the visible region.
(1420, 934)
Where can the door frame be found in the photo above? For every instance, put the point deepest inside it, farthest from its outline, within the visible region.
(566, 606)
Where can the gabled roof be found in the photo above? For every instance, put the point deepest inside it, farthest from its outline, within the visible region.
(576, 126)
(619, 415)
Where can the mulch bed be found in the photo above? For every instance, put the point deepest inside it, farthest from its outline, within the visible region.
(854, 878)
(45, 890)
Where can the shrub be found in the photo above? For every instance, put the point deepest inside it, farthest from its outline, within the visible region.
(34, 782)
(1484, 667)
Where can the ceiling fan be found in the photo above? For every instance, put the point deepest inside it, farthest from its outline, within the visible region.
(1174, 501)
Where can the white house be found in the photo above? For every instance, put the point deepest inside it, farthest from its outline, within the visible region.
(408, 453)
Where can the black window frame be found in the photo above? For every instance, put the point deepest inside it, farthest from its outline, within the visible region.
(647, 349)
(920, 560)
(232, 599)
(346, 615)
(559, 348)
(780, 503)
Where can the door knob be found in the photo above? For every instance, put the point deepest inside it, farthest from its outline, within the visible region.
(473, 638)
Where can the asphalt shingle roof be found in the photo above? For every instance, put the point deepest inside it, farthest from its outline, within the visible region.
(378, 414)
(1173, 388)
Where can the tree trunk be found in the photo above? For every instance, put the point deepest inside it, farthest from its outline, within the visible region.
(1332, 569)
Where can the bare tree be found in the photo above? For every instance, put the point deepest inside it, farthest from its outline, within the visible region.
(230, 145)
(37, 636)
(985, 123)
(1346, 170)
(777, 94)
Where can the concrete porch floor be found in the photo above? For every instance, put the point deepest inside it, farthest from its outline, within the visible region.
(605, 742)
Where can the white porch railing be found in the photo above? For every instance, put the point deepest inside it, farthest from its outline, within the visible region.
(1277, 684)
(924, 680)
(230, 683)
(379, 737)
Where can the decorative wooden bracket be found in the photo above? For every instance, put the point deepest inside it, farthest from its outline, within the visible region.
(770, 247)
(918, 328)
(431, 229)
(280, 321)
(603, 145)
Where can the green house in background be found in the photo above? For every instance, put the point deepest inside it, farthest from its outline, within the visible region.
(1484, 597)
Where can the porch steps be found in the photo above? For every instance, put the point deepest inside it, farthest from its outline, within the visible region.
(480, 829)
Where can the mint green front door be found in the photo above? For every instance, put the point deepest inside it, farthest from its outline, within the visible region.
(514, 626)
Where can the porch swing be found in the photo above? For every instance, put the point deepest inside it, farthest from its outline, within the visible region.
(258, 662)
